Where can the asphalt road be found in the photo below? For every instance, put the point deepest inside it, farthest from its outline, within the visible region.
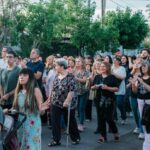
(128, 141)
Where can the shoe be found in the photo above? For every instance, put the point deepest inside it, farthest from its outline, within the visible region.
(136, 131)
(80, 128)
(141, 136)
(87, 120)
(116, 138)
(131, 114)
(76, 142)
(53, 143)
(123, 122)
(101, 140)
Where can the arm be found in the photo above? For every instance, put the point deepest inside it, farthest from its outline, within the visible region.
(108, 88)
(38, 75)
(145, 84)
(7, 95)
(68, 99)
(41, 106)
(81, 80)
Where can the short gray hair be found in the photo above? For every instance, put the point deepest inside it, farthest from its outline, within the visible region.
(37, 51)
(62, 62)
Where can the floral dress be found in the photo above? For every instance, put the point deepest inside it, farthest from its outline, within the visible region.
(29, 135)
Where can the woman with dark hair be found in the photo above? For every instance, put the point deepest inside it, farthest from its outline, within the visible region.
(63, 95)
(28, 99)
(108, 59)
(141, 86)
(107, 101)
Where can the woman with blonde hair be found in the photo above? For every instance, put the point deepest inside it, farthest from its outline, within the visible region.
(81, 76)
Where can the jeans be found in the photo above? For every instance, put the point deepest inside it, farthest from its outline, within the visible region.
(121, 107)
(82, 100)
(135, 109)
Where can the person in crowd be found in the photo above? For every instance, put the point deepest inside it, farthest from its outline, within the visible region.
(2, 118)
(71, 65)
(88, 109)
(28, 99)
(8, 80)
(107, 88)
(81, 76)
(108, 59)
(125, 64)
(3, 61)
(97, 80)
(63, 95)
(136, 71)
(141, 86)
(120, 73)
(145, 53)
(36, 65)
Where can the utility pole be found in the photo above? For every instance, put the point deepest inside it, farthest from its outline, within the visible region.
(103, 9)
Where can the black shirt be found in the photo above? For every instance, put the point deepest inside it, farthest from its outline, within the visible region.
(97, 80)
(143, 93)
(110, 81)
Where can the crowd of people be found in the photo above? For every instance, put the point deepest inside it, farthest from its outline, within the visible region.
(117, 85)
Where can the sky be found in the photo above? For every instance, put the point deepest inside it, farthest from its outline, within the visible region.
(122, 4)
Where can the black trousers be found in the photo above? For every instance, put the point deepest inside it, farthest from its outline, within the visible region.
(88, 110)
(107, 115)
(56, 123)
(96, 102)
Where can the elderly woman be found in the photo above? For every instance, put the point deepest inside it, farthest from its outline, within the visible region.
(63, 95)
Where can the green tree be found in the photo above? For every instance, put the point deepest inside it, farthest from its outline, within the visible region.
(132, 27)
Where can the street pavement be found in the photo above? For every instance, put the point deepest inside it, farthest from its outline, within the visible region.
(128, 140)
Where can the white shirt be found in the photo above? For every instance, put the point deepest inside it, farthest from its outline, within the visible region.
(49, 82)
(3, 64)
(120, 71)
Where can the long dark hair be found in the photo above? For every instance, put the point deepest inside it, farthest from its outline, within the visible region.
(30, 101)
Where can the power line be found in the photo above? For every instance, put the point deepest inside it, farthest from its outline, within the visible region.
(128, 4)
(118, 4)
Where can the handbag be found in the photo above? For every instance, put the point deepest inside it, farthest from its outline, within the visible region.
(92, 94)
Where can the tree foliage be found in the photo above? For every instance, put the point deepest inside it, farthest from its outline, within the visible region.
(65, 25)
(132, 27)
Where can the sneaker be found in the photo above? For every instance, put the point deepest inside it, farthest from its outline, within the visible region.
(75, 142)
(136, 131)
(87, 120)
(123, 122)
(141, 136)
(131, 114)
(80, 128)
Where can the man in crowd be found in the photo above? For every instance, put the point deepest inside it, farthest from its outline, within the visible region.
(145, 54)
(36, 65)
(3, 63)
(8, 80)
